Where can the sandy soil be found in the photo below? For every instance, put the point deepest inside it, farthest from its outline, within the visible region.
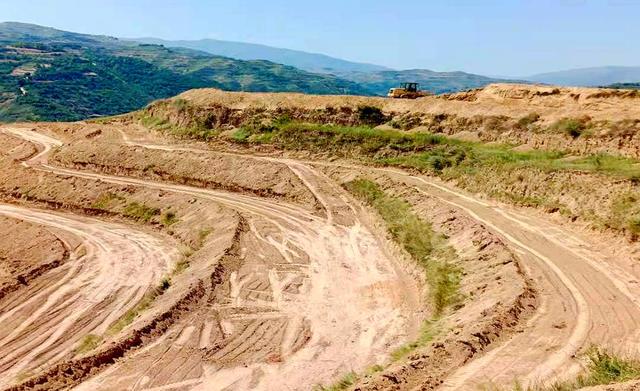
(282, 289)
(511, 100)
(107, 275)
(26, 251)
(300, 284)
(588, 293)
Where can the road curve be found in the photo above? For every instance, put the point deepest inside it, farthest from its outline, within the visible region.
(588, 296)
(382, 299)
(111, 271)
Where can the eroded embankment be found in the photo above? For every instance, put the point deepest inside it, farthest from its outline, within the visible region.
(578, 120)
(556, 163)
(71, 373)
(276, 314)
(26, 252)
(271, 180)
(498, 297)
(199, 225)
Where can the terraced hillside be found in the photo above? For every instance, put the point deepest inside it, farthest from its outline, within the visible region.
(239, 241)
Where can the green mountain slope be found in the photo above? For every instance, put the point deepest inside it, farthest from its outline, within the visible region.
(624, 86)
(48, 74)
(435, 82)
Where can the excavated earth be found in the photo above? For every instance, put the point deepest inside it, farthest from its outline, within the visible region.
(133, 260)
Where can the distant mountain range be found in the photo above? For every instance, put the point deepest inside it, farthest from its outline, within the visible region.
(376, 79)
(49, 74)
(588, 77)
(311, 62)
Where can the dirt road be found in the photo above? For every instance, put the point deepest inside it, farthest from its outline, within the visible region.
(292, 260)
(107, 275)
(590, 296)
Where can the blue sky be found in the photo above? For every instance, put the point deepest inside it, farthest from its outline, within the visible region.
(510, 38)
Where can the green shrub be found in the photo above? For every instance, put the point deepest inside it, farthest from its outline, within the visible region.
(141, 212)
(371, 115)
(527, 120)
(88, 343)
(169, 218)
(570, 126)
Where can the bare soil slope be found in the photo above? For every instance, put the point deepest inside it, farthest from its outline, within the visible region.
(221, 265)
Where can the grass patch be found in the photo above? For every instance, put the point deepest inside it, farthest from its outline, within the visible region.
(344, 383)
(186, 132)
(106, 200)
(202, 236)
(140, 212)
(418, 239)
(428, 331)
(571, 126)
(240, 135)
(602, 368)
(143, 305)
(428, 152)
(169, 218)
(432, 153)
(88, 343)
(527, 120)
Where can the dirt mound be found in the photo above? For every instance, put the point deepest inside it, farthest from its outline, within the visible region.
(579, 120)
(511, 100)
(26, 252)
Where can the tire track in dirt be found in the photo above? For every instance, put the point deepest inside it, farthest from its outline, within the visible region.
(114, 269)
(588, 296)
(331, 277)
(575, 289)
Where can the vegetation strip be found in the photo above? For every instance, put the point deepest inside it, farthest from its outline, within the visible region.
(416, 236)
(465, 162)
(602, 368)
(428, 249)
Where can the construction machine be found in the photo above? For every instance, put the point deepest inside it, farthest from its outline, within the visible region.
(407, 91)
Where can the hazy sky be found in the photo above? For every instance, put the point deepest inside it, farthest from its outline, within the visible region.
(510, 38)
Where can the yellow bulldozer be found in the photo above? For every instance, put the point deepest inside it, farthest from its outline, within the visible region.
(407, 91)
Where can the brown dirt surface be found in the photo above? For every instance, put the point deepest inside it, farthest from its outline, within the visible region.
(494, 100)
(234, 269)
(26, 251)
(498, 112)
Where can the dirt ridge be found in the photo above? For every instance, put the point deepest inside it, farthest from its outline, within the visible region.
(71, 373)
(24, 279)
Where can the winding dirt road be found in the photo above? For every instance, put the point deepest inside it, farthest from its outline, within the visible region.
(351, 324)
(111, 271)
(589, 296)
